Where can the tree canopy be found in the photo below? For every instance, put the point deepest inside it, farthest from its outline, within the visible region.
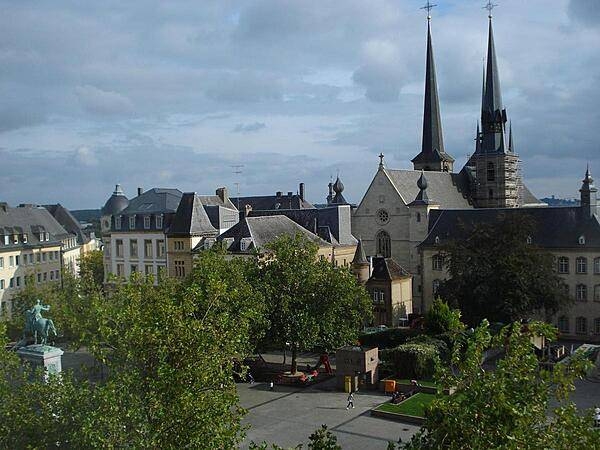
(505, 408)
(495, 273)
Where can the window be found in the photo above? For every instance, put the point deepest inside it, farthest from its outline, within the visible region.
(491, 194)
(437, 262)
(378, 297)
(581, 293)
(134, 268)
(1, 284)
(47, 236)
(45, 276)
(51, 275)
(382, 199)
(147, 248)
(597, 325)
(11, 283)
(118, 222)
(25, 238)
(178, 245)
(563, 264)
(119, 248)
(120, 270)
(382, 216)
(18, 281)
(159, 222)
(39, 257)
(435, 286)
(581, 240)
(50, 256)
(243, 245)
(39, 277)
(384, 245)
(160, 248)
(529, 239)
(179, 268)
(133, 248)
(132, 222)
(56, 255)
(597, 266)
(11, 261)
(1, 262)
(563, 324)
(147, 222)
(581, 325)
(418, 217)
(44, 256)
(581, 265)
(597, 293)
(6, 239)
(148, 269)
(491, 172)
(57, 274)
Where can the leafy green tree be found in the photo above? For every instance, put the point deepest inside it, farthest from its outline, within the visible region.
(505, 408)
(310, 302)
(440, 318)
(496, 274)
(92, 265)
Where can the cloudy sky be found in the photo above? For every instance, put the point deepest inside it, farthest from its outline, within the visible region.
(174, 94)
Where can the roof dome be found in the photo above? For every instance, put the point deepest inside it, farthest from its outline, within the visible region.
(338, 186)
(422, 182)
(116, 203)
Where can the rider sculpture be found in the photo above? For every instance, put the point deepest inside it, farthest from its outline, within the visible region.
(35, 323)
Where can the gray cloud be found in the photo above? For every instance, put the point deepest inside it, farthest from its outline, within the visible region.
(98, 101)
(249, 127)
(585, 11)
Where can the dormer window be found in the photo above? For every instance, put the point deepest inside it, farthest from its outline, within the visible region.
(15, 238)
(244, 244)
(24, 238)
(6, 239)
(529, 239)
(159, 222)
(437, 240)
(118, 222)
(147, 222)
(132, 222)
(47, 236)
(582, 240)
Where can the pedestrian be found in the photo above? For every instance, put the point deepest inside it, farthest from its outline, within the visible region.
(350, 400)
(271, 385)
(250, 377)
(597, 416)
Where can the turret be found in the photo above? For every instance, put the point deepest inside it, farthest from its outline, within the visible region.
(589, 195)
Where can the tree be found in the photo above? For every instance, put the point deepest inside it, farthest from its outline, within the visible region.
(310, 302)
(496, 274)
(169, 350)
(92, 265)
(440, 318)
(506, 407)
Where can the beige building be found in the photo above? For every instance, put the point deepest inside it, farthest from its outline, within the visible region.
(571, 234)
(31, 249)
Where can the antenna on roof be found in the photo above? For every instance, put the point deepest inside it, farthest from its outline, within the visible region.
(237, 170)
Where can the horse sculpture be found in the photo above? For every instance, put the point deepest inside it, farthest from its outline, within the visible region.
(41, 325)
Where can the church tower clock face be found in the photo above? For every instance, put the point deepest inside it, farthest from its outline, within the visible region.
(382, 216)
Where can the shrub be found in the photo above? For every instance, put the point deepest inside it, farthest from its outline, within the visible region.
(411, 360)
(440, 318)
(441, 345)
(390, 338)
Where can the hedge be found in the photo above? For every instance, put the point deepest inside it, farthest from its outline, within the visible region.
(411, 360)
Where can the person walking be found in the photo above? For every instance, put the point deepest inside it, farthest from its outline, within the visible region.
(350, 400)
(597, 416)
(271, 385)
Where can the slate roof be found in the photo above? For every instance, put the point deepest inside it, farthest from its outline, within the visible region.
(555, 227)
(68, 222)
(191, 218)
(387, 269)
(449, 190)
(359, 255)
(156, 200)
(263, 230)
(215, 200)
(31, 220)
(268, 202)
(116, 203)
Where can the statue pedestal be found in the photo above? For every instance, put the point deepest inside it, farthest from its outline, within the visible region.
(45, 356)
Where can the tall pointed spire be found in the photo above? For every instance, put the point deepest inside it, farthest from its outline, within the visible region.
(493, 98)
(511, 145)
(432, 155)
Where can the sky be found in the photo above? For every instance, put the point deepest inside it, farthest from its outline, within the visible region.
(182, 93)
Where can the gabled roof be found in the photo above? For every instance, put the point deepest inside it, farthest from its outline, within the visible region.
(387, 269)
(156, 200)
(191, 218)
(555, 227)
(450, 190)
(266, 229)
(31, 220)
(68, 222)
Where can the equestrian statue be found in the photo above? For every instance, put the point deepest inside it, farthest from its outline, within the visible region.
(36, 324)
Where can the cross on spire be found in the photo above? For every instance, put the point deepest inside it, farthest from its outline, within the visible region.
(489, 6)
(428, 6)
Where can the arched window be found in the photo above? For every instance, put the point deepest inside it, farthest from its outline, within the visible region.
(384, 244)
(563, 324)
(581, 264)
(563, 264)
(581, 325)
(581, 293)
(491, 172)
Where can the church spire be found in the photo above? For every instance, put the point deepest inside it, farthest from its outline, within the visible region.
(432, 155)
(493, 114)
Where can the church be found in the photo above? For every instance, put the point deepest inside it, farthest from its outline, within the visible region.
(400, 208)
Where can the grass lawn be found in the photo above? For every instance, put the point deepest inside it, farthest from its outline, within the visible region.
(414, 406)
(421, 382)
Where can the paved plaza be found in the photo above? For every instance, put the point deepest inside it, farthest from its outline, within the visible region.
(287, 416)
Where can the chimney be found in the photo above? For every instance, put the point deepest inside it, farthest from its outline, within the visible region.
(301, 191)
(3, 206)
(140, 191)
(278, 194)
(247, 210)
(223, 194)
(290, 193)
